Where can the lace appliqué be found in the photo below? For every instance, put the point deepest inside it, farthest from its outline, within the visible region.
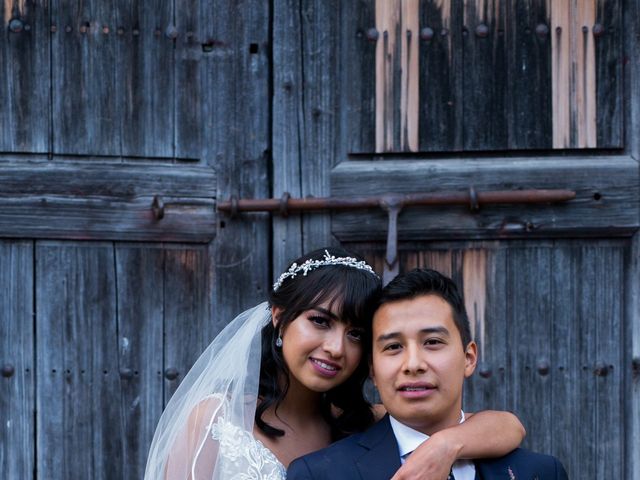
(242, 456)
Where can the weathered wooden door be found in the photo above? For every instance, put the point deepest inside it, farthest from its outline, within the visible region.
(120, 125)
(409, 96)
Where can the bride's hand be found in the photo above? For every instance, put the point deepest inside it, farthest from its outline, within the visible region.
(432, 460)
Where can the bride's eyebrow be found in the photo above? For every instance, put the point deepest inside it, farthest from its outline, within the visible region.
(326, 312)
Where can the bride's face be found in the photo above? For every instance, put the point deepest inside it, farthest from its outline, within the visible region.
(320, 350)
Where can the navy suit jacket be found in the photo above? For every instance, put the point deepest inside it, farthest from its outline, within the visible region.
(373, 455)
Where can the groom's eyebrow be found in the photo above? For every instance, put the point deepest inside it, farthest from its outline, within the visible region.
(388, 336)
(394, 335)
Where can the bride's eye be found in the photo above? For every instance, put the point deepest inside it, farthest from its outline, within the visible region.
(355, 335)
(319, 321)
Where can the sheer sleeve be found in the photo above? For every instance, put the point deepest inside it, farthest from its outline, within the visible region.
(220, 389)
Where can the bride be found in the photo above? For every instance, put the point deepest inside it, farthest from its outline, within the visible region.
(285, 378)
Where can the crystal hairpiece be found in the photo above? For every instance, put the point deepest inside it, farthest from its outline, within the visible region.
(328, 259)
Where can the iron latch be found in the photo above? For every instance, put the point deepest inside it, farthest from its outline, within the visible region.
(393, 205)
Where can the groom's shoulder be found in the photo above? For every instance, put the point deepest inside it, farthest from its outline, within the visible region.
(523, 460)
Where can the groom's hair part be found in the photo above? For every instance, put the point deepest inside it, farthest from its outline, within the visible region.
(425, 281)
(354, 293)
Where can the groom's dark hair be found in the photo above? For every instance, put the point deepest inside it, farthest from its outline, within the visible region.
(424, 281)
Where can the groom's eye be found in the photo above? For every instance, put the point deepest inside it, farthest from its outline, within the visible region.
(391, 347)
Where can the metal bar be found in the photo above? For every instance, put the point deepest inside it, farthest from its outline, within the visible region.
(472, 198)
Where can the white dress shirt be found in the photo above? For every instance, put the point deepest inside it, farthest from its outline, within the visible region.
(409, 439)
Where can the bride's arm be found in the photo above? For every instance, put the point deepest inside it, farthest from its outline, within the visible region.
(485, 434)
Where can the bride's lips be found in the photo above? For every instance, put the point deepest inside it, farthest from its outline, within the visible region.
(416, 389)
(325, 367)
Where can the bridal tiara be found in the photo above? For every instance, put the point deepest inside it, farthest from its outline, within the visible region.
(328, 259)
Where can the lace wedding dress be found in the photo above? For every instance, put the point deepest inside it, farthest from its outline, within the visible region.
(242, 456)
(206, 430)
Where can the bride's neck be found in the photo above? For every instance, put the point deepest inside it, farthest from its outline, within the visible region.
(300, 402)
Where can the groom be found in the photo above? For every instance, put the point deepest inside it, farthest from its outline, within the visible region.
(422, 352)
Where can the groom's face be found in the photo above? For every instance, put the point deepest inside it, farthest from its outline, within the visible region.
(419, 363)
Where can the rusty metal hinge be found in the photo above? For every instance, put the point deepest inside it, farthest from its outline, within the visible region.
(393, 204)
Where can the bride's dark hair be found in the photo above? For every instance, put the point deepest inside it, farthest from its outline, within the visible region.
(355, 293)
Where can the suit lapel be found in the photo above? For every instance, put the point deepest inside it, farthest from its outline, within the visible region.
(381, 460)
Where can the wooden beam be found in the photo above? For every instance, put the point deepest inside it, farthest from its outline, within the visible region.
(606, 203)
(107, 201)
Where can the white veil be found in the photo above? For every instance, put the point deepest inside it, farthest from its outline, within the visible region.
(223, 383)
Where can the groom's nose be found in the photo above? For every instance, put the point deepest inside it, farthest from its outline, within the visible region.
(414, 361)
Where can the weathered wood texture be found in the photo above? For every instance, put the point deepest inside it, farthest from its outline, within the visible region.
(140, 280)
(632, 379)
(79, 425)
(485, 75)
(549, 320)
(606, 202)
(25, 116)
(236, 73)
(107, 201)
(305, 110)
(17, 383)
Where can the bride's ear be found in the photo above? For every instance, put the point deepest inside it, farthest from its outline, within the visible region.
(275, 316)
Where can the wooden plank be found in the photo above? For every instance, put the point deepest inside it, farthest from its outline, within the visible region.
(145, 79)
(25, 86)
(288, 126)
(529, 331)
(605, 307)
(236, 99)
(609, 55)
(140, 292)
(358, 45)
(632, 375)
(561, 68)
(304, 128)
(529, 108)
(396, 73)
(83, 57)
(607, 197)
(108, 201)
(78, 423)
(484, 76)
(17, 391)
(484, 283)
(441, 96)
(188, 325)
(565, 371)
(187, 90)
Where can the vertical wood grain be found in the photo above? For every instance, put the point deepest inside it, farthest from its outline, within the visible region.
(79, 429)
(188, 321)
(145, 79)
(441, 76)
(529, 337)
(17, 392)
(484, 75)
(529, 81)
(139, 272)
(236, 141)
(86, 113)
(25, 118)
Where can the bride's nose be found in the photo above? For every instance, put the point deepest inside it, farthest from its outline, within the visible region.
(334, 343)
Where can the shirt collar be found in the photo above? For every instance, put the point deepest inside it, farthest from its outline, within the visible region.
(409, 439)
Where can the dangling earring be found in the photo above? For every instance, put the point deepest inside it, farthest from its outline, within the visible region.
(279, 340)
